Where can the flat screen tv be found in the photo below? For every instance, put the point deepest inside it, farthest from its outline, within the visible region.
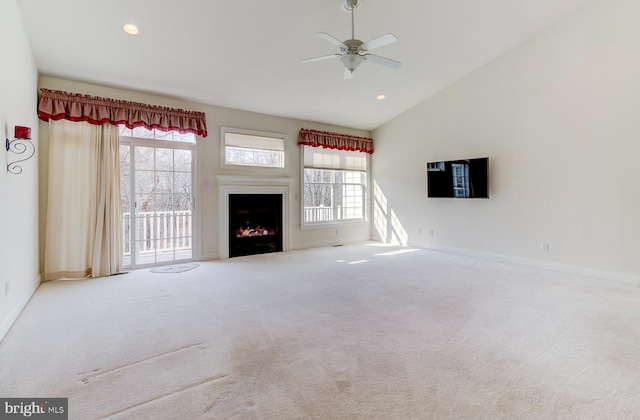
(464, 178)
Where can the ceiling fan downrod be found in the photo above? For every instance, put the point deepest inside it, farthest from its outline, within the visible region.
(351, 6)
(353, 23)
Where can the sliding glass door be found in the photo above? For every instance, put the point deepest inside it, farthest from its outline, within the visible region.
(157, 195)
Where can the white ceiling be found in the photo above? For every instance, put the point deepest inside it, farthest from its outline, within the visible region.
(245, 54)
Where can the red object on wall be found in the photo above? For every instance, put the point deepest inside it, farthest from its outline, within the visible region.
(22, 132)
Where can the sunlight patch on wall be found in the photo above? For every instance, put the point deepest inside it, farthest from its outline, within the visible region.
(399, 236)
(380, 212)
(385, 221)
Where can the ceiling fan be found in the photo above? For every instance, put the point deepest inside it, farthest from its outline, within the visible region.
(354, 52)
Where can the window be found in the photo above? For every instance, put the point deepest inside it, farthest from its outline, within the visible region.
(252, 148)
(156, 178)
(335, 185)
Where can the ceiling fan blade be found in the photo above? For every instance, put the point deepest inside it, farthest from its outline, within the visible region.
(347, 74)
(383, 60)
(378, 42)
(323, 57)
(331, 39)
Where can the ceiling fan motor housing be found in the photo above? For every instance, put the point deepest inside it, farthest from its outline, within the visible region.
(353, 46)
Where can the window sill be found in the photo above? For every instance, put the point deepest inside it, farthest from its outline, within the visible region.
(252, 168)
(328, 225)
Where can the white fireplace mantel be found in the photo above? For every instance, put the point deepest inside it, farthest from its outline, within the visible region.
(228, 184)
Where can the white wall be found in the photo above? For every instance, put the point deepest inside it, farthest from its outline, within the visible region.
(19, 202)
(559, 117)
(208, 163)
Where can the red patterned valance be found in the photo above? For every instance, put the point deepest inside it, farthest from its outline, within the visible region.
(338, 141)
(57, 105)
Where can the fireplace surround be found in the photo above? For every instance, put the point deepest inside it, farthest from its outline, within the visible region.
(263, 189)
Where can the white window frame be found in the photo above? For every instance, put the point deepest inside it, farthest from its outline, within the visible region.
(223, 147)
(133, 142)
(334, 223)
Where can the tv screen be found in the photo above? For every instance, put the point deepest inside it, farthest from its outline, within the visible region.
(464, 178)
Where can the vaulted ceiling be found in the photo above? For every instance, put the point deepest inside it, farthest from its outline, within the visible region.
(246, 54)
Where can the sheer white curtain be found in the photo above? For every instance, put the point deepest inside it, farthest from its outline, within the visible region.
(83, 235)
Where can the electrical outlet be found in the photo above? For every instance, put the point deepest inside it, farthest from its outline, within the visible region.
(430, 232)
(337, 232)
(544, 246)
(6, 288)
(419, 231)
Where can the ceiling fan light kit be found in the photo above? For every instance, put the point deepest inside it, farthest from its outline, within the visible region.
(351, 61)
(354, 52)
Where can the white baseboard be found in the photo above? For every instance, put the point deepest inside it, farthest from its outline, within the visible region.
(318, 244)
(564, 268)
(208, 256)
(305, 245)
(331, 242)
(19, 306)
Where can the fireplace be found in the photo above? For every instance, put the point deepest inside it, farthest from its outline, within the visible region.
(249, 203)
(255, 224)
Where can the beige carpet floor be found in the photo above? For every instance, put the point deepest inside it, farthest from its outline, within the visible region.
(355, 332)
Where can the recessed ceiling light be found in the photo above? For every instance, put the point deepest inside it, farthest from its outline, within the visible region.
(130, 28)
(380, 97)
